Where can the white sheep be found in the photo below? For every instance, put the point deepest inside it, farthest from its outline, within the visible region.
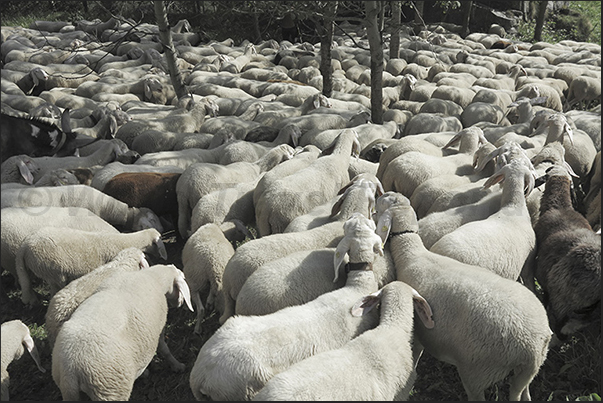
(19, 222)
(50, 254)
(376, 365)
(357, 196)
(204, 257)
(253, 254)
(302, 158)
(409, 170)
(582, 89)
(299, 278)
(108, 208)
(230, 204)
(436, 192)
(112, 336)
(15, 337)
(485, 325)
(246, 351)
(508, 233)
(62, 305)
(200, 179)
(298, 193)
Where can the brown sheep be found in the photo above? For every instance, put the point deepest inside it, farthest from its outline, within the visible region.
(153, 190)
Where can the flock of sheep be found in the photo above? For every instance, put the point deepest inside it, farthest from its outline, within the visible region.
(358, 245)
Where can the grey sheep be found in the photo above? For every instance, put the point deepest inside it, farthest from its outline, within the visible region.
(485, 325)
(62, 305)
(124, 322)
(376, 365)
(246, 351)
(204, 257)
(569, 258)
(50, 255)
(15, 338)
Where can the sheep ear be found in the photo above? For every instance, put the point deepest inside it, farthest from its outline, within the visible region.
(346, 187)
(342, 249)
(378, 245)
(529, 183)
(160, 248)
(25, 172)
(147, 91)
(316, 102)
(29, 344)
(184, 293)
(380, 191)
(570, 133)
(366, 303)
(455, 139)
(337, 206)
(422, 309)
(384, 225)
(570, 170)
(112, 127)
(494, 179)
(487, 159)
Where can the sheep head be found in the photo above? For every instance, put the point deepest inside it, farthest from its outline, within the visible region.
(392, 205)
(359, 241)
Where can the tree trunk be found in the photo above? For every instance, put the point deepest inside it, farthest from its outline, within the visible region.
(376, 45)
(256, 26)
(168, 48)
(540, 21)
(418, 6)
(326, 40)
(466, 10)
(394, 41)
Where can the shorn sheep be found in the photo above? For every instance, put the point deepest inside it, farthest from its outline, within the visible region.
(377, 365)
(59, 255)
(112, 336)
(15, 338)
(485, 325)
(568, 266)
(246, 351)
(65, 302)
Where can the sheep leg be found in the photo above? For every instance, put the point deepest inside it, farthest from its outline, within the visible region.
(527, 273)
(165, 352)
(519, 384)
(196, 299)
(229, 307)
